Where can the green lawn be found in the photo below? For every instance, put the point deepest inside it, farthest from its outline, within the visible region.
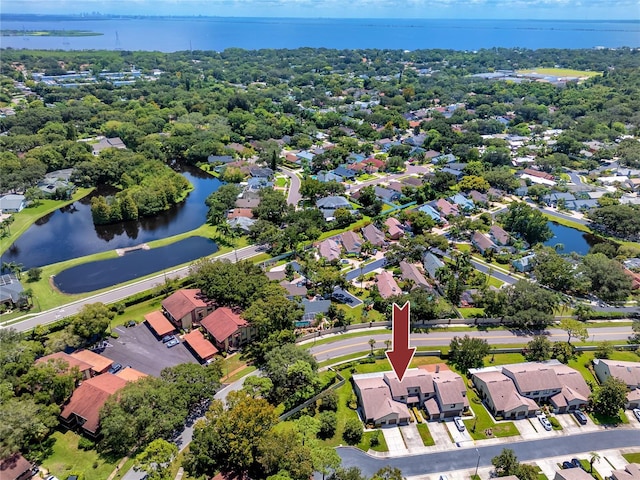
(477, 427)
(471, 312)
(606, 420)
(365, 444)
(282, 181)
(562, 72)
(425, 434)
(66, 458)
(632, 457)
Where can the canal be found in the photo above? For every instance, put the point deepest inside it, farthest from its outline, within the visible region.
(70, 233)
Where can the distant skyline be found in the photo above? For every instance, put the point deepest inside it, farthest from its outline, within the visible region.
(462, 9)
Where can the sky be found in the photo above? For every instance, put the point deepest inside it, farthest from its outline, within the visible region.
(463, 9)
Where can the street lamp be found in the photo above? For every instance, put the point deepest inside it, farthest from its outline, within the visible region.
(478, 463)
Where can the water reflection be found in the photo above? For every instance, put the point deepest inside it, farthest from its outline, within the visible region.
(69, 232)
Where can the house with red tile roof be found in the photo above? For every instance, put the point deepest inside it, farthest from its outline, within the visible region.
(83, 408)
(84, 368)
(387, 285)
(203, 348)
(159, 324)
(15, 467)
(99, 364)
(186, 307)
(227, 328)
(239, 212)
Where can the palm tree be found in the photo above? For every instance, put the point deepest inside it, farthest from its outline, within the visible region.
(372, 343)
(594, 457)
(387, 344)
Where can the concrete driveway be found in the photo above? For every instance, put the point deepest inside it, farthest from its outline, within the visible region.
(412, 437)
(138, 347)
(462, 438)
(394, 440)
(440, 434)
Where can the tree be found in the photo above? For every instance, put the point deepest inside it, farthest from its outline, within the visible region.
(282, 452)
(468, 352)
(220, 201)
(353, 431)
(538, 349)
(563, 352)
(329, 401)
(229, 439)
(372, 344)
(33, 195)
(156, 458)
(388, 473)
(608, 278)
(574, 328)
(529, 305)
(506, 463)
(527, 222)
(583, 311)
(92, 320)
(635, 327)
(293, 373)
(594, 457)
(272, 313)
(328, 424)
(555, 272)
(604, 350)
(610, 397)
(24, 423)
(33, 274)
(325, 459)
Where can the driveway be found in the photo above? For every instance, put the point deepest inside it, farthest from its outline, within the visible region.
(462, 438)
(368, 268)
(440, 434)
(412, 437)
(355, 301)
(138, 347)
(394, 440)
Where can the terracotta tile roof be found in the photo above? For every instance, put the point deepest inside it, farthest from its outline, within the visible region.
(538, 173)
(222, 323)
(203, 347)
(183, 302)
(71, 361)
(98, 363)
(90, 397)
(159, 323)
(503, 392)
(130, 374)
(13, 467)
(240, 212)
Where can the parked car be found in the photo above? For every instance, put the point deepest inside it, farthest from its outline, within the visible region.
(168, 338)
(131, 323)
(459, 423)
(51, 477)
(576, 463)
(172, 343)
(581, 417)
(545, 423)
(567, 465)
(115, 368)
(636, 412)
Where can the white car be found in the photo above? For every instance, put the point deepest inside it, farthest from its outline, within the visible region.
(636, 412)
(459, 423)
(545, 422)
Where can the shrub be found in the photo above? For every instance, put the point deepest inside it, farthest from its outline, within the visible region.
(329, 401)
(554, 422)
(374, 441)
(328, 424)
(85, 444)
(352, 431)
(114, 335)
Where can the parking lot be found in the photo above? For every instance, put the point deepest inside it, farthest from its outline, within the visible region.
(137, 346)
(345, 297)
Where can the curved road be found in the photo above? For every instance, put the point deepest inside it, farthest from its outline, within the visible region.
(467, 458)
(347, 346)
(120, 293)
(294, 197)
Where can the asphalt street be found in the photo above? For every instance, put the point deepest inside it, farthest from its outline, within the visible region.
(120, 293)
(368, 268)
(347, 346)
(294, 197)
(467, 458)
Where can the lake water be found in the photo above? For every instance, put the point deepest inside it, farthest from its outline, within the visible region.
(219, 33)
(70, 233)
(573, 240)
(92, 276)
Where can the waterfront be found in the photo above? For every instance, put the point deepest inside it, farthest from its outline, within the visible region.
(568, 240)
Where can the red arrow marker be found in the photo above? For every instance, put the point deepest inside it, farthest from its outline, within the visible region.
(400, 356)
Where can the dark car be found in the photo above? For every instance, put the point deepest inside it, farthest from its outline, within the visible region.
(172, 343)
(576, 463)
(168, 338)
(567, 465)
(115, 368)
(581, 417)
(130, 323)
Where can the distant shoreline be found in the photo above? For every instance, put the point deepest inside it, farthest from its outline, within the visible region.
(49, 33)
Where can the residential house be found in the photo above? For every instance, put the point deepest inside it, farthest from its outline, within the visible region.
(446, 209)
(374, 165)
(200, 346)
(57, 183)
(450, 393)
(72, 362)
(351, 242)
(572, 474)
(227, 328)
(15, 467)
(12, 203)
(394, 228)
(495, 194)
(536, 176)
(304, 156)
(186, 307)
(376, 403)
(276, 275)
(396, 186)
(344, 173)
(313, 308)
(387, 285)
(456, 173)
(386, 194)
(249, 202)
(98, 363)
(329, 249)
(582, 205)
(554, 198)
(83, 408)
(524, 264)
(411, 181)
(219, 159)
(431, 264)
(325, 177)
(446, 158)
(462, 202)
(411, 273)
(628, 372)
(500, 395)
(373, 235)
(333, 203)
(11, 291)
(261, 172)
(294, 289)
(240, 213)
(242, 223)
(482, 243)
(499, 235)
(430, 155)
(159, 324)
(105, 143)
(258, 183)
(432, 212)
(630, 472)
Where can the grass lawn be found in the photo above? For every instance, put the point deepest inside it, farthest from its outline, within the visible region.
(366, 176)
(587, 467)
(282, 181)
(66, 458)
(483, 421)
(562, 72)
(359, 224)
(425, 434)
(605, 420)
(632, 457)
(242, 373)
(365, 443)
(471, 312)
(24, 219)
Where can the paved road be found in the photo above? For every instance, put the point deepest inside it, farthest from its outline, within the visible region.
(351, 345)
(467, 458)
(368, 268)
(562, 216)
(294, 197)
(119, 293)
